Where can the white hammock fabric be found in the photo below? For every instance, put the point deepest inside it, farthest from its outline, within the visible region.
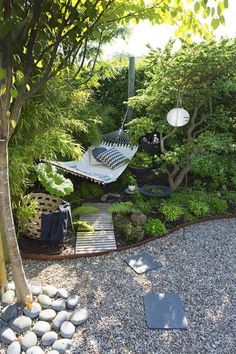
(90, 168)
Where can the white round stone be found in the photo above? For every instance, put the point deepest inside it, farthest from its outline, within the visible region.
(11, 285)
(53, 352)
(29, 340)
(72, 301)
(7, 336)
(67, 329)
(36, 290)
(50, 290)
(14, 348)
(35, 350)
(61, 317)
(61, 345)
(21, 324)
(41, 327)
(79, 316)
(62, 292)
(59, 305)
(44, 300)
(8, 297)
(49, 338)
(47, 315)
(35, 310)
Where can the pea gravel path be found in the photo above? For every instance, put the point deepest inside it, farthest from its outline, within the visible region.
(198, 264)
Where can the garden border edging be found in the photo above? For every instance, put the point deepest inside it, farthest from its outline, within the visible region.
(42, 257)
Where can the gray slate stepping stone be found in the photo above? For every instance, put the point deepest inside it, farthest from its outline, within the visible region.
(72, 301)
(45, 301)
(36, 290)
(29, 340)
(50, 290)
(59, 305)
(62, 292)
(14, 348)
(49, 338)
(7, 336)
(61, 345)
(143, 262)
(164, 311)
(9, 312)
(20, 324)
(8, 297)
(47, 315)
(79, 316)
(35, 350)
(41, 327)
(61, 317)
(34, 312)
(67, 329)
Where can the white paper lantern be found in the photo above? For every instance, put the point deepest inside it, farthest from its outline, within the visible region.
(178, 117)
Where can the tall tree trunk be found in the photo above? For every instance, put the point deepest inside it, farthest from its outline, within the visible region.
(176, 181)
(8, 227)
(3, 274)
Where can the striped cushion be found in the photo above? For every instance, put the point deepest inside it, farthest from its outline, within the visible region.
(112, 158)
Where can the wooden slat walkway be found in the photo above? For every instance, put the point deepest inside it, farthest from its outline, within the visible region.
(103, 238)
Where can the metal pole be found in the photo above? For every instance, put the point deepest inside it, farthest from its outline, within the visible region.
(131, 83)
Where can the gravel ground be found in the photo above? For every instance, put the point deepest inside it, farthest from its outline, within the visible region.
(198, 264)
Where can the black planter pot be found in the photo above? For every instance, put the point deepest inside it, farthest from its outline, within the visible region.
(140, 171)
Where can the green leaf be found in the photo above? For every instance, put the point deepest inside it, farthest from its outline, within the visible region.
(215, 23)
(2, 74)
(2, 89)
(14, 92)
(197, 7)
(27, 87)
(13, 123)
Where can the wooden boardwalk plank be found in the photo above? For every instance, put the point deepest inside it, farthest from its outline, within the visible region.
(103, 238)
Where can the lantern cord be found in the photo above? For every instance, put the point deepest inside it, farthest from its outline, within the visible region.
(179, 99)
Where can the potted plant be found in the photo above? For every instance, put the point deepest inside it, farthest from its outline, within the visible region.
(132, 183)
(141, 164)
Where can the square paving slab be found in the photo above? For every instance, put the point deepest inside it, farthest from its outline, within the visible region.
(164, 311)
(142, 262)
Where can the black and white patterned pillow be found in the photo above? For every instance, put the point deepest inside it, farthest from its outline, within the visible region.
(112, 158)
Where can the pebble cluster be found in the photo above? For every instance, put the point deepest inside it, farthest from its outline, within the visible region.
(48, 323)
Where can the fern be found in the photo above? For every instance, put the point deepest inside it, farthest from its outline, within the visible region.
(83, 225)
(122, 208)
(85, 209)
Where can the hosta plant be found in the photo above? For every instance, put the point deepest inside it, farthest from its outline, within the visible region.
(54, 183)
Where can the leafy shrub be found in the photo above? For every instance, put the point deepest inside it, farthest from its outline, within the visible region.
(84, 225)
(154, 227)
(217, 205)
(171, 211)
(124, 227)
(122, 208)
(233, 181)
(26, 210)
(198, 208)
(54, 182)
(85, 209)
(88, 190)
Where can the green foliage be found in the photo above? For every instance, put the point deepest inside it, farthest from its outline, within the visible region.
(54, 183)
(125, 228)
(26, 210)
(89, 190)
(217, 205)
(122, 208)
(85, 209)
(141, 159)
(84, 225)
(154, 227)
(171, 211)
(198, 208)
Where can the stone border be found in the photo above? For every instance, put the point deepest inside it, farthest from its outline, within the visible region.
(42, 257)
